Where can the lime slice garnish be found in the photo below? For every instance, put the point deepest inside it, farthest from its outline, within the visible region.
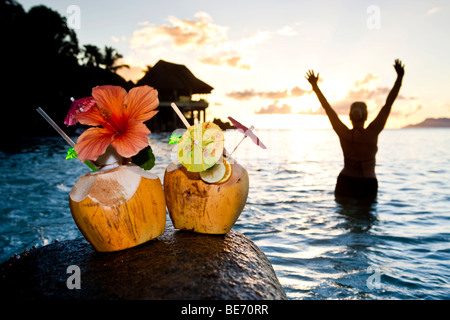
(214, 174)
(220, 173)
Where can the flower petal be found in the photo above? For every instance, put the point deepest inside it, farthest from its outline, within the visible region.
(91, 117)
(133, 140)
(93, 142)
(111, 98)
(140, 101)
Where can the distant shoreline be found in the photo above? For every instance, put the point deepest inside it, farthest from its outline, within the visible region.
(431, 123)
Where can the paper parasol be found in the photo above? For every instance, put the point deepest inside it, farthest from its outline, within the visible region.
(247, 132)
(201, 145)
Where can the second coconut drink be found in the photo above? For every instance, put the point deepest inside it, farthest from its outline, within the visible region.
(205, 190)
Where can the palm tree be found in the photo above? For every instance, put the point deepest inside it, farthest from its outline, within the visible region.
(110, 57)
(92, 56)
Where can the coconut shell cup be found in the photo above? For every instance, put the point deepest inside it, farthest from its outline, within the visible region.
(118, 208)
(201, 207)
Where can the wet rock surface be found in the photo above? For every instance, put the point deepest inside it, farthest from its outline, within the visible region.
(177, 265)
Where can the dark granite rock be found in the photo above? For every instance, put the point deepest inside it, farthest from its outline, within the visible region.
(177, 265)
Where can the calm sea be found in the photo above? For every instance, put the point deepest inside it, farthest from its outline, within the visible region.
(396, 248)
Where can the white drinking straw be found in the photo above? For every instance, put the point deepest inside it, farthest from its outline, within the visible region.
(89, 163)
(56, 127)
(180, 115)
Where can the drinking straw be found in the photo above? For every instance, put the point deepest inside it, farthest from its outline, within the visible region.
(64, 136)
(180, 115)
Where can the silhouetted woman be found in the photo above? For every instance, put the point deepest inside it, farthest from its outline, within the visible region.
(359, 145)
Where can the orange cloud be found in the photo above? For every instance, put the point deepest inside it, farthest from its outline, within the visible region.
(367, 79)
(234, 61)
(181, 32)
(200, 36)
(359, 92)
(275, 109)
(273, 95)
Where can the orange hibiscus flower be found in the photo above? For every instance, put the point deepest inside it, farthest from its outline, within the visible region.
(118, 118)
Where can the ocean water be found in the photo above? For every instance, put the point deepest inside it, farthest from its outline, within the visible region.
(396, 248)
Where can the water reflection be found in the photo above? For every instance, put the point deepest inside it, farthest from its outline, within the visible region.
(359, 215)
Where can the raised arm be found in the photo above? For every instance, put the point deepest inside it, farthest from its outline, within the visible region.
(380, 121)
(336, 123)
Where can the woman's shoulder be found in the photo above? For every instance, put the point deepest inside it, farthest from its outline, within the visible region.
(359, 135)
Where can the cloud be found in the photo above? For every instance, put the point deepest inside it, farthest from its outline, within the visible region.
(275, 109)
(287, 31)
(234, 62)
(378, 94)
(298, 92)
(405, 113)
(117, 39)
(242, 95)
(433, 11)
(273, 95)
(367, 79)
(368, 94)
(199, 36)
(362, 90)
(180, 33)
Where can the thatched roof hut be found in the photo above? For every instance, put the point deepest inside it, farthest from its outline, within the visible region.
(174, 80)
(175, 83)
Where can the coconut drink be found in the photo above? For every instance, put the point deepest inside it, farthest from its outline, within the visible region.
(205, 189)
(119, 204)
(205, 193)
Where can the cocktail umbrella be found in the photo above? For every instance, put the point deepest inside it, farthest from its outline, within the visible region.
(247, 133)
(200, 147)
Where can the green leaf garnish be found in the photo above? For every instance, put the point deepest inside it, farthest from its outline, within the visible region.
(174, 138)
(71, 154)
(145, 158)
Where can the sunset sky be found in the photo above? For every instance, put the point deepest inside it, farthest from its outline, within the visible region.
(255, 53)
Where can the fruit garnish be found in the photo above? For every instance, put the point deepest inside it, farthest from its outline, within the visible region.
(220, 173)
(214, 174)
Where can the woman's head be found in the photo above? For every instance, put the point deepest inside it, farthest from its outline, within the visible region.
(358, 112)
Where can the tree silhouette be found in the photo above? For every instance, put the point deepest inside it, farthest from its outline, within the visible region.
(92, 56)
(49, 32)
(41, 67)
(110, 59)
